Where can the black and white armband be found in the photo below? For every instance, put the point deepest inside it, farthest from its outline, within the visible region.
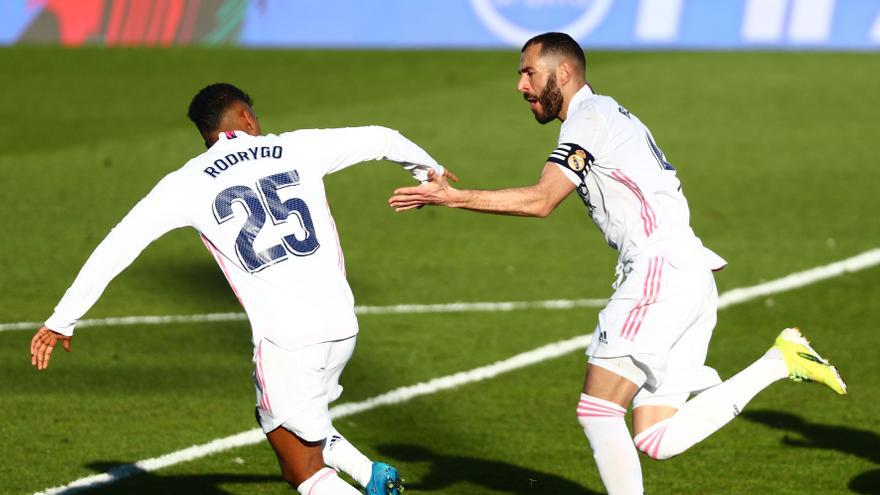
(572, 157)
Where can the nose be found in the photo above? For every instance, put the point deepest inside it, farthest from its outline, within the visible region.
(523, 84)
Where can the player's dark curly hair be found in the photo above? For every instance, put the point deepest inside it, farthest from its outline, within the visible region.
(560, 44)
(208, 105)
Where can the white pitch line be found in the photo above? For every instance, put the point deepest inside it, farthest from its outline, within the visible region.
(458, 307)
(395, 396)
(403, 394)
(799, 279)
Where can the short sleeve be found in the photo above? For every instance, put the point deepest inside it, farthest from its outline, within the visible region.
(573, 160)
(579, 140)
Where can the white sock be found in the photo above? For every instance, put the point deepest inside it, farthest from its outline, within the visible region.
(613, 448)
(341, 455)
(709, 411)
(326, 482)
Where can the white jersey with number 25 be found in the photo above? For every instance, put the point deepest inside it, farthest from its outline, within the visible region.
(259, 204)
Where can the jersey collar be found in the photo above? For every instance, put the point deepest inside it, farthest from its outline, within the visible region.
(582, 94)
(229, 135)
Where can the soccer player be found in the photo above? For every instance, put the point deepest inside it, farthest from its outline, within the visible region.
(258, 203)
(650, 344)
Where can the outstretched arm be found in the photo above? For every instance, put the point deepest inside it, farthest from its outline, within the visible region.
(154, 215)
(538, 200)
(343, 147)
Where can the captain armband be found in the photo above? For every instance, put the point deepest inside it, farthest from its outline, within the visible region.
(572, 157)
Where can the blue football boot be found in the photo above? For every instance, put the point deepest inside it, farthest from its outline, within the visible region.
(385, 480)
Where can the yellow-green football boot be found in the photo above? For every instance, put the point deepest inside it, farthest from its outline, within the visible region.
(804, 363)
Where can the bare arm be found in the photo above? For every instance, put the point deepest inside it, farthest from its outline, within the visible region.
(538, 200)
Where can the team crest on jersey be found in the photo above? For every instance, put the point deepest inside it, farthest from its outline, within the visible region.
(578, 160)
(574, 157)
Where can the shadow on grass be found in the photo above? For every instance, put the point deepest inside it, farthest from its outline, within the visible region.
(445, 471)
(197, 278)
(143, 482)
(860, 443)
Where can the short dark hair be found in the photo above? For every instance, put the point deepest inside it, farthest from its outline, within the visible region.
(559, 44)
(208, 105)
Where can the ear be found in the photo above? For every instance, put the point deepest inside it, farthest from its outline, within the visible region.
(249, 118)
(564, 73)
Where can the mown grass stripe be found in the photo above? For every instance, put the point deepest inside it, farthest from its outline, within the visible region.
(556, 349)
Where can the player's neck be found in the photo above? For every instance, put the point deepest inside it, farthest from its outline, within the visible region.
(568, 93)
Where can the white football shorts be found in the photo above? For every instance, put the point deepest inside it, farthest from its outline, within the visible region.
(295, 388)
(661, 319)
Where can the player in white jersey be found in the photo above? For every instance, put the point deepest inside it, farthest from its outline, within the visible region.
(650, 344)
(258, 203)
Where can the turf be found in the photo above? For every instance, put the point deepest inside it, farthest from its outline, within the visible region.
(775, 151)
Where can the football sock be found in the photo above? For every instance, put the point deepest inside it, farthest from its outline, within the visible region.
(326, 482)
(613, 448)
(710, 410)
(341, 455)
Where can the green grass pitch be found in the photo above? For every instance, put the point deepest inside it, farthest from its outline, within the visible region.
(776, 151)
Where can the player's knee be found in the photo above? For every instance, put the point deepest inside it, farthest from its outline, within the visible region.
(651, 442)
(592, 412)
(657, 455)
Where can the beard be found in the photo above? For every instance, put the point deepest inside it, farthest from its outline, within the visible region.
(550, 100)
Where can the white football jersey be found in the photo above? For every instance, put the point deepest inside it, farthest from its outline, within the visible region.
(630, 190)
(259, 204)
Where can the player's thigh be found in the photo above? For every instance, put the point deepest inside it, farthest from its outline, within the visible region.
(685, 372)
(612, 379)
(340, 353)
(648, 313)
(292, 389)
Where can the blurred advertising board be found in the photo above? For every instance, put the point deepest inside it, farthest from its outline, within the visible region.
(614, 24)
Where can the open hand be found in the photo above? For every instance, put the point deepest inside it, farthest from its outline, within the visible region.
(436, 191)
(42, 345)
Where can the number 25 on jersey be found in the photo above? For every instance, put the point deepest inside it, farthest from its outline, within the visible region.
(253, 203)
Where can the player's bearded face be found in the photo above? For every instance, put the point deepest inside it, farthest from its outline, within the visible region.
(549, 101)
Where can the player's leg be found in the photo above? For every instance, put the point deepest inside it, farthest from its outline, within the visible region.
(659, 414)
(609, 387)
(341, 455)
(665, 425)
(377, 478)
(662, 432)
(613, 377)
(302, 465)
(292, 408)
